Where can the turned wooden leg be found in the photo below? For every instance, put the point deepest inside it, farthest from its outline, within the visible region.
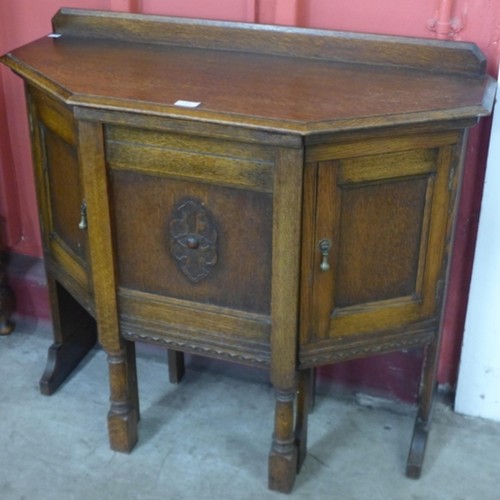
(283, 455)
(304, 396)
(176, 367)
(75, 334)
(6, 299)
(422, 422)
(124, 411)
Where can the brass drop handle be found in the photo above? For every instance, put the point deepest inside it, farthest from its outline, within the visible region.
(324, 248)
(83, 216)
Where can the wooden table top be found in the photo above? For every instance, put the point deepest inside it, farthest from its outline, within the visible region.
(288, 93)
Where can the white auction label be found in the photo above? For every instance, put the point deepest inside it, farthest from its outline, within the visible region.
(187, 104)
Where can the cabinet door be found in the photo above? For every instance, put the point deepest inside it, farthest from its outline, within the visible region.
(377, 258)
(192, 220)
(60, 191)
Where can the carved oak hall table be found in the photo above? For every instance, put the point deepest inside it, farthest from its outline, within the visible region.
(273, 196)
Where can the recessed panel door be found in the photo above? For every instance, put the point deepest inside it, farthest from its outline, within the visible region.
(192, 222)
(60, 190)
(377, 259)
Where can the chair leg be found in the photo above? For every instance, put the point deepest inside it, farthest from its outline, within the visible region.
(75, 334)
(176, 367)
(423, 419)
(304, 397)
(124, 410)
(283, 455)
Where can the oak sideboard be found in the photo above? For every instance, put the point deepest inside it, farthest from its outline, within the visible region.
(273, 196)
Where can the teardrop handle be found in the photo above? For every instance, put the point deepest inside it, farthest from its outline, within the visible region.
(83, 216)
(324, 248)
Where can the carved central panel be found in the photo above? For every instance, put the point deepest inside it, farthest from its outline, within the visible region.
(193, 240)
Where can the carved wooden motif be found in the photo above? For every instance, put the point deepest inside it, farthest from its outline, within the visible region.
(193, 240)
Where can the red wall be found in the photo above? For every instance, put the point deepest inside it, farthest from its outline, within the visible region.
(471, 20)
(20, 22)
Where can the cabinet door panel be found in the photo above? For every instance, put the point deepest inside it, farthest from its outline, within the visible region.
(192, 224)
(60, 191)
(233, 271)
(378, 253)
(385, 220)
(65, 192)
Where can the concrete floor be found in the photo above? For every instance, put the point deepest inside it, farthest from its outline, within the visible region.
(209, 437)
